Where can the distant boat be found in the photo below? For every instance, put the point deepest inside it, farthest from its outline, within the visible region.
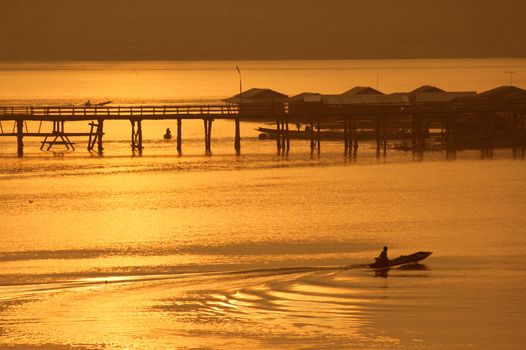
(268, 133)
(327, 134)
(99, 104)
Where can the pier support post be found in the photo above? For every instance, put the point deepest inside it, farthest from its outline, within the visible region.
(132, 135)
(353, 138)
(287, 136)
(283, 136)
(346, 136)
(418, 135)
(384, 135)
(208, 139)
(179, 141)
(485, 136)
(99, 135)
(318, 137)
(518, 134)
(91, 136)
(312, 144)
(449, 136)
(414, 134)
(95, 134)
(237, 141)
(354, 142)
(284, 140)
(210, 136)
(278, 135)
(137, 136)
(422, 131)
(378, 137)
(20, 136)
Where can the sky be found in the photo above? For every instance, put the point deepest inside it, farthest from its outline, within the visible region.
(33, 30)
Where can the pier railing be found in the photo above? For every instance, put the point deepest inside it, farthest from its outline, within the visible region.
(153, 112)
(268, 110)
(124, 111)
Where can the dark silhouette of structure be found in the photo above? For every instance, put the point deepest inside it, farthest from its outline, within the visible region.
(425, 119)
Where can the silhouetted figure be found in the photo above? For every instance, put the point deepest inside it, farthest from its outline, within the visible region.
(382, 258)
(88, 103)
(298, 125)
(168, 134)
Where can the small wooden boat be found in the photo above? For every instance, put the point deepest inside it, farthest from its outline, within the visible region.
(401, 260)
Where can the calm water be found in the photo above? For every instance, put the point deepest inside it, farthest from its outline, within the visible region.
(258, 251)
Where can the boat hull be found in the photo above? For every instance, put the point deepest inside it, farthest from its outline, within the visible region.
(402, 260)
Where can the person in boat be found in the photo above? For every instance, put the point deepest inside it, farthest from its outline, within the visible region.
(382, 258)
(168, 134)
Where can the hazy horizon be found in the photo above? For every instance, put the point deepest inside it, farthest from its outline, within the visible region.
(247, 30)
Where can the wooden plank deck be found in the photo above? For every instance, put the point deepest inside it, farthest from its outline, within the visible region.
(256, 111)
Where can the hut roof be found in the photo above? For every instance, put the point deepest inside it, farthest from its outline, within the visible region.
(425, 89)
(305, 97)
(258, 95)
(362, 90)
(504, 92)
(442, 96)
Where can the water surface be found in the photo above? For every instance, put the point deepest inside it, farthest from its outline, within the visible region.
(260, 251)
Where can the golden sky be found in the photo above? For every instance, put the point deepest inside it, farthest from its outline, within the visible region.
(250, 29)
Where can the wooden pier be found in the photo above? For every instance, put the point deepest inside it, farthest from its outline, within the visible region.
(487, 122)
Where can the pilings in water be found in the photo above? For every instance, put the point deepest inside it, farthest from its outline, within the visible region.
(208, 138)
(136, 136)
(485, 136)
(315, 137)
(287, 136)
(350, 137)
(312, 140)
(418, 134)
(100, 129)
(20, 136)
(381, 136)
(318, 136)
(378, 129)
(95, 136)
(58, 133)
(237, 140)
(449, 136)
(282, 136)
(347, 136)
(518, 137)
(179, 137)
